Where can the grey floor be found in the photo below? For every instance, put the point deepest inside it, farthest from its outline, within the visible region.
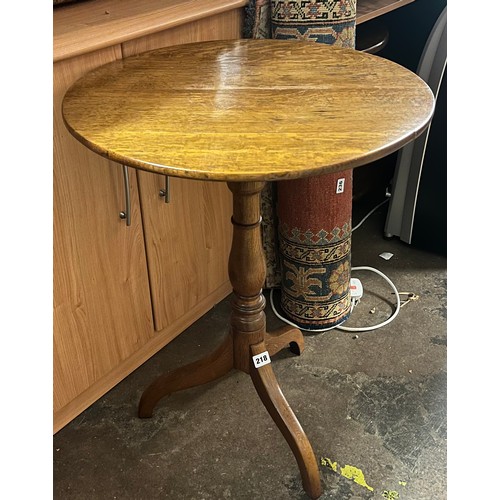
(373, 405)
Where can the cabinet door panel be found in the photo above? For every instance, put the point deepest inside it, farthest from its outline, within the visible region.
(187, 240)
(187, 243)
(102, 306)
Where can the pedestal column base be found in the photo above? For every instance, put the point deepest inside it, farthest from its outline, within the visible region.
(247, 338)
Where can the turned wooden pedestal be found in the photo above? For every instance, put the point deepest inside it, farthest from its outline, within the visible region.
(247, 337)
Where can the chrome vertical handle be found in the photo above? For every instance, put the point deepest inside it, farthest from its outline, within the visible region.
(126, 214)
(165, 193)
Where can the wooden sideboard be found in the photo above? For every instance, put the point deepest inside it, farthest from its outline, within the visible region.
(122, 292)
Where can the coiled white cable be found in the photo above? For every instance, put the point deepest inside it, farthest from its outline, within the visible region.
(347, 328)
(388, 320)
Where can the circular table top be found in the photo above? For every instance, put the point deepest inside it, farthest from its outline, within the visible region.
(245, 110)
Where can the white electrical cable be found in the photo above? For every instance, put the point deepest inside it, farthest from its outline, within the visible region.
(368, 214)
(359, 268)
(346, 328)
(288, 322)
(388, 320)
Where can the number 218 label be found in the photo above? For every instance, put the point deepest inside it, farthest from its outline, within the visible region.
(261, 359)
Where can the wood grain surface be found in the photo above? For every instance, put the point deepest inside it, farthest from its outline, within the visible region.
(96, 261)
(85, 26)
(245, 110)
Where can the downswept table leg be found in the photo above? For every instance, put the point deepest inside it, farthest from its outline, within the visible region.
(270, 394)
(204, 370)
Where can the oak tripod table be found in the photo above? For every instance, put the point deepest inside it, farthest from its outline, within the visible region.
(246, 112)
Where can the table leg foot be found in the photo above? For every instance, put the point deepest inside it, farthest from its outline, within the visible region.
(270, 394)
(287, 335)
(204, 370)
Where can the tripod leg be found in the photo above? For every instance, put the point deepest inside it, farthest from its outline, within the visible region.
(270, 393)
(204, 370)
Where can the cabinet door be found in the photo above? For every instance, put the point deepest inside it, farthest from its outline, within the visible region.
(187, 240)
(187, 243)
(102, 306)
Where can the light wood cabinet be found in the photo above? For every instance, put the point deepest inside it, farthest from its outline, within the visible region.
(122, 292)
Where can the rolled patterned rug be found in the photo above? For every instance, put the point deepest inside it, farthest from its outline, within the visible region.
(314, 214)
(324, 21)
(315, 249)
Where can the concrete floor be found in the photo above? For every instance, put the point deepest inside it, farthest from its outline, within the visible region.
(375, 405)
